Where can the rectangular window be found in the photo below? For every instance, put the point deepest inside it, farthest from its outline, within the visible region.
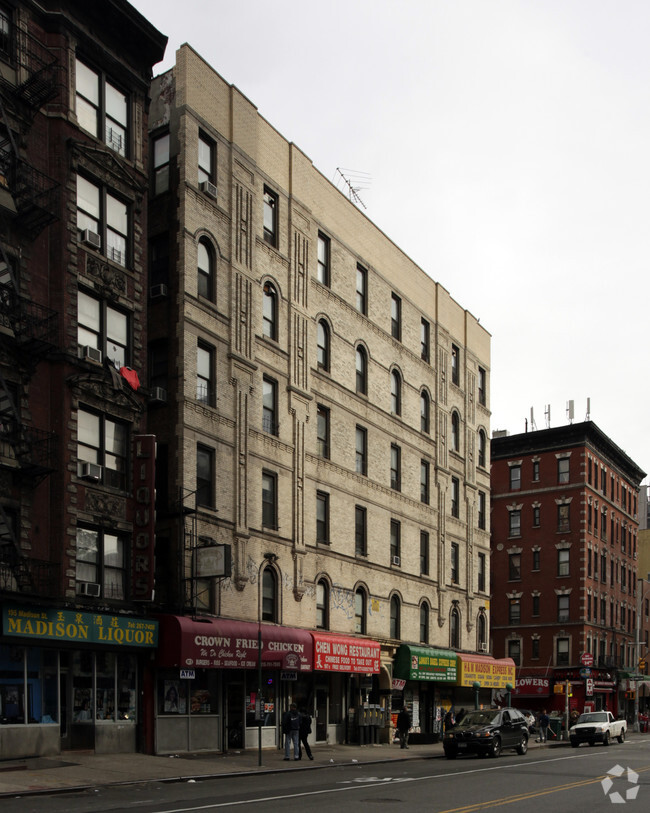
(361, 443)
(395, 541)
(536, 559)
(562, 652)
(206, 160)
(269, 405)
(514, 611)
(455, 365)
(563, 562)
(482, 522)
(603, 568)
(395, 467)
(563, 518)
(535, 611)
(515, 478)
(102, 108)
(455, 563)
(362, 290)
(424, 553)
(102, 220)
(514, 566)
(323, 431)
(481, 572)
(5, 35)
(482, 386)
(103, 442)
(160, 157)
(360, 531)
(104, 328)
(534, 649)
(269, 500)
(455, 497)
(323, 267)
(424, 482)
(535, 471)
(515, 523)
(322, 517)
(425, 339)
(101, 560)
(396, 317)
(270, 217)
(536, 516)
(563, 470)
(514, 651)
(205, 476)
(205, 374)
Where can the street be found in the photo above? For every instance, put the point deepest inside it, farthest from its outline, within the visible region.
(560, 778)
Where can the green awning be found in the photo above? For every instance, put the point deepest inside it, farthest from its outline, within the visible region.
(425, 663)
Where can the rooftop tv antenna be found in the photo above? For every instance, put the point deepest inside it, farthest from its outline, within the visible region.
(547, 416)
(354, 182)
(570, 411)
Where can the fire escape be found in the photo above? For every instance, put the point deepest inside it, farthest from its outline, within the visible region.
(28, 330)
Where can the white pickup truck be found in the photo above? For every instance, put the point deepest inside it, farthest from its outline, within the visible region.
(597, 726)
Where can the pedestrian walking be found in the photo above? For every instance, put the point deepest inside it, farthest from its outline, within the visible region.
(544, 721)
(291, 731)
(305, 731)
(403, 727)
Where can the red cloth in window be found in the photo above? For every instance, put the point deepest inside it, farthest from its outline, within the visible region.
(131, 376)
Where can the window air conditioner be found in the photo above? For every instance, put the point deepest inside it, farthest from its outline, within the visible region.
(91, 238)
(209, 188)
(89, 589)
(482, 647)
(89, 353)
(397, 561)
(89, 471)
(158, 395)
(158, 291)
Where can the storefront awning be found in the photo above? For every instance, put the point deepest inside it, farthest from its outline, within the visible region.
(425, 663)
(489, 672)
(338, 653)
(532, 686)
(219, 643)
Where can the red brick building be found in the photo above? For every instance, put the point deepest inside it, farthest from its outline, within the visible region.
(563, 563)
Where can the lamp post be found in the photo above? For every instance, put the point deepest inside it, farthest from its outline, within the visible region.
(640, 593)
(476, 686)
(269, 558)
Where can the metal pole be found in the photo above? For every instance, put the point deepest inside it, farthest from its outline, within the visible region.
(258, 703)
(637, 649)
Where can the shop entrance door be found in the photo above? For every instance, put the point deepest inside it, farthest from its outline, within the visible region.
(235, 714)
(64, 719)
(321, 714)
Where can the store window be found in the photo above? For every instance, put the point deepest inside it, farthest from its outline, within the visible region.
(28, 685)
(193, 697)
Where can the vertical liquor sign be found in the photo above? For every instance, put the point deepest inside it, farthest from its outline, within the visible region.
(144, 517)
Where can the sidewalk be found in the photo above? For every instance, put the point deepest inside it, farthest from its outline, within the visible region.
(81, 770)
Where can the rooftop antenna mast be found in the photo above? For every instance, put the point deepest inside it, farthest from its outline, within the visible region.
(570, 411)
(354, 182)
(588, 415)
(533, 425)
(547, 416)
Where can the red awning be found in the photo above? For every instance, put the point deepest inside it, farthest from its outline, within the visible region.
(220, 643)
(338, 653)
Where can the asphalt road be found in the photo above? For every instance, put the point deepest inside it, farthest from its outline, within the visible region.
(565, 779)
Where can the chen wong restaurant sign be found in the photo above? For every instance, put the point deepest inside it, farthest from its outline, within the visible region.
(339, 654)
(75, 627)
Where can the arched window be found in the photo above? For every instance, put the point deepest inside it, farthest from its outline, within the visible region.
(395, 393)
(323, 345)
(394, 617)
(424, 412)
(424, 623)
(454, 629)
(362, 371)
(481, 633)
(205, 270)
(360, 611)
(269, 595)
(269, 312)
(481, 448)
(455, 432)
(322, 605)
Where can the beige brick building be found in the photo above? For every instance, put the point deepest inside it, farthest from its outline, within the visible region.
(323, 400)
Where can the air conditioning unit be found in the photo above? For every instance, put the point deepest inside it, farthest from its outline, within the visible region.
(89, 353)
(158, 395)
(89, 471)
(397, 561)
(482, 648)
(209, 188)
(91, 238)
(158, 291)
(89, 589)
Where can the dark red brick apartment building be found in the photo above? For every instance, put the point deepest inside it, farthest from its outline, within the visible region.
(563, 563)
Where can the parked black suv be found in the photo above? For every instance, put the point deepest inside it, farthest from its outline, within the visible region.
(487, 732)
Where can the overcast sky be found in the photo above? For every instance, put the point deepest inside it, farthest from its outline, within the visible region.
(507, 146)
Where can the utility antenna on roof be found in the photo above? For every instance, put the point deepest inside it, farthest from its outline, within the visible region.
(533, 426)
(588, 415)
(547, 415)
(354, 182)
(570, 411)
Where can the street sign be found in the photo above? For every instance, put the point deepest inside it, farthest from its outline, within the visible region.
(585, 673)
(188, 674)
(589, 687)
(587, 659)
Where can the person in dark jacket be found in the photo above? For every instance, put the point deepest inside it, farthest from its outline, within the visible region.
(291, 731)
(403, 726)
(305, 731)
